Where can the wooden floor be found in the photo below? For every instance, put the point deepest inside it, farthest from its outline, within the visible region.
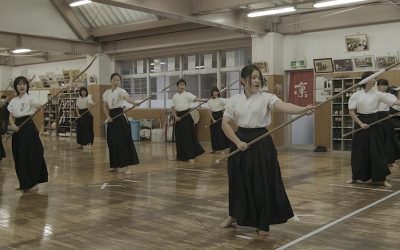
(173, 205)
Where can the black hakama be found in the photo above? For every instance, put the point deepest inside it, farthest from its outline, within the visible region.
(187, 145)
(84, 128)
(257, 197)
(367, 152)
(119, 140)
(219, 141)
(28, 151)
(391, 147)
(2, 151)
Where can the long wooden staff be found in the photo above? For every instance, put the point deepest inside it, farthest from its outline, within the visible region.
(316, 107)
(208, 125)
(84, 113)
(138, 104)
(201, 103)
(373, 123)
(51, 99)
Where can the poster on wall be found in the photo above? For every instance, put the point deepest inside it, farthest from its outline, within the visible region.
(323, 88)
(301, 88)
(341, 65)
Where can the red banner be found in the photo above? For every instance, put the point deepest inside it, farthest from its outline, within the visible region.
(301, 87)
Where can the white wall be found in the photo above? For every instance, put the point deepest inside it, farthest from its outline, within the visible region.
(34, 17)
(43, 68)
(5, 77)
(383, 39)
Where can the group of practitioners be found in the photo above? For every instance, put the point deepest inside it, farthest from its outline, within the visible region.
(257, 197)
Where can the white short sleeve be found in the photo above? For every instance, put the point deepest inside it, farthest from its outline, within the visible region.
(190, 96)
(123, 93)
(271, 99)
(89, 99)
(33, 101)
(352, 101)
(387, 98)
(105, 95)
(229, 109)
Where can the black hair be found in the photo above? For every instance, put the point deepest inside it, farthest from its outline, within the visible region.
(383, 82)
(21, 79)
(181, 80)
(83, 89)
(248, 70)
(115, 74)
(365, 75)
(215, 89)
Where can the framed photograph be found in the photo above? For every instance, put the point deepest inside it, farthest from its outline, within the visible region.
(357, 43)
(364, 62)
(385, 61)
(343, 65)
(323, 65)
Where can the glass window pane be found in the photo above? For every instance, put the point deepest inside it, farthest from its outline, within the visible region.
(140, 66)
(192, 84)
(125, 67)
(127, 85)
(140, 88)
(208, 81)
(228, 78)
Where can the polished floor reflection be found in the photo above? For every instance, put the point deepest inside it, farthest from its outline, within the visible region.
(166, 204)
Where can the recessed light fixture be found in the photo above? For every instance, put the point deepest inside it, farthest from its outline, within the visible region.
(323, 4)
(270, 12)
(19, 51)
(75, 3)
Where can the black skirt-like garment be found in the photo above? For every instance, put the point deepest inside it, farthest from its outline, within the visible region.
(368, 159)
(218, 139)
(119, 140)
(28, 151)
(257, 197)
(2, 151)
(187, 145)
(84, 128)
(391, 147)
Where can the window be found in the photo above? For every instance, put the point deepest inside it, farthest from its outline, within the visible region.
(207, 82)
(125, 67)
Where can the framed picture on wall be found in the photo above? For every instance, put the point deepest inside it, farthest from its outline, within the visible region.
(343, 65)
(363, 62)
(323, 65)
(357, 43)
(385, 61)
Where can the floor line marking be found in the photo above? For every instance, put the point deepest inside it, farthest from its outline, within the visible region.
(336, 222)
(375, 189)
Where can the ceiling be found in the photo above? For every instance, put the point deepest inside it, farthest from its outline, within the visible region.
(103, 23)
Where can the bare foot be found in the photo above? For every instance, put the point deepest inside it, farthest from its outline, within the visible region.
(228, 222)
(262, 233)
(191, 161)
(395, 166)
(351, 181)
(32, 189)
(212, 152)
(387, 184)
(113, 170)
(222, 152)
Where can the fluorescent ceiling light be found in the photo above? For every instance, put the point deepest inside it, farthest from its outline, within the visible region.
(79, 2)
(323, 4)
(271, 11)
(19, 51)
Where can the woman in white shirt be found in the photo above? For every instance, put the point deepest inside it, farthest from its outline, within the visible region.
(368, 160)
(119, 135)
(84, 125)
(391, 147)
(27, 148)
(187, 145)
(216, 106)
(257, 197)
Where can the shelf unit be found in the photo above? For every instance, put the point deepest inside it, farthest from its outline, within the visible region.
(50, 119)
(67, 112)
(341, 120)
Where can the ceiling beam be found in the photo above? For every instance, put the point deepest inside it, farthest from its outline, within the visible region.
(130, 27)
(71, 19)
(12, 40)
(212, 5)
(337, 19)
(184, 10)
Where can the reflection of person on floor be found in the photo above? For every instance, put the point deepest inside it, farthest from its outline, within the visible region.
(257, 197)
(187, 146)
